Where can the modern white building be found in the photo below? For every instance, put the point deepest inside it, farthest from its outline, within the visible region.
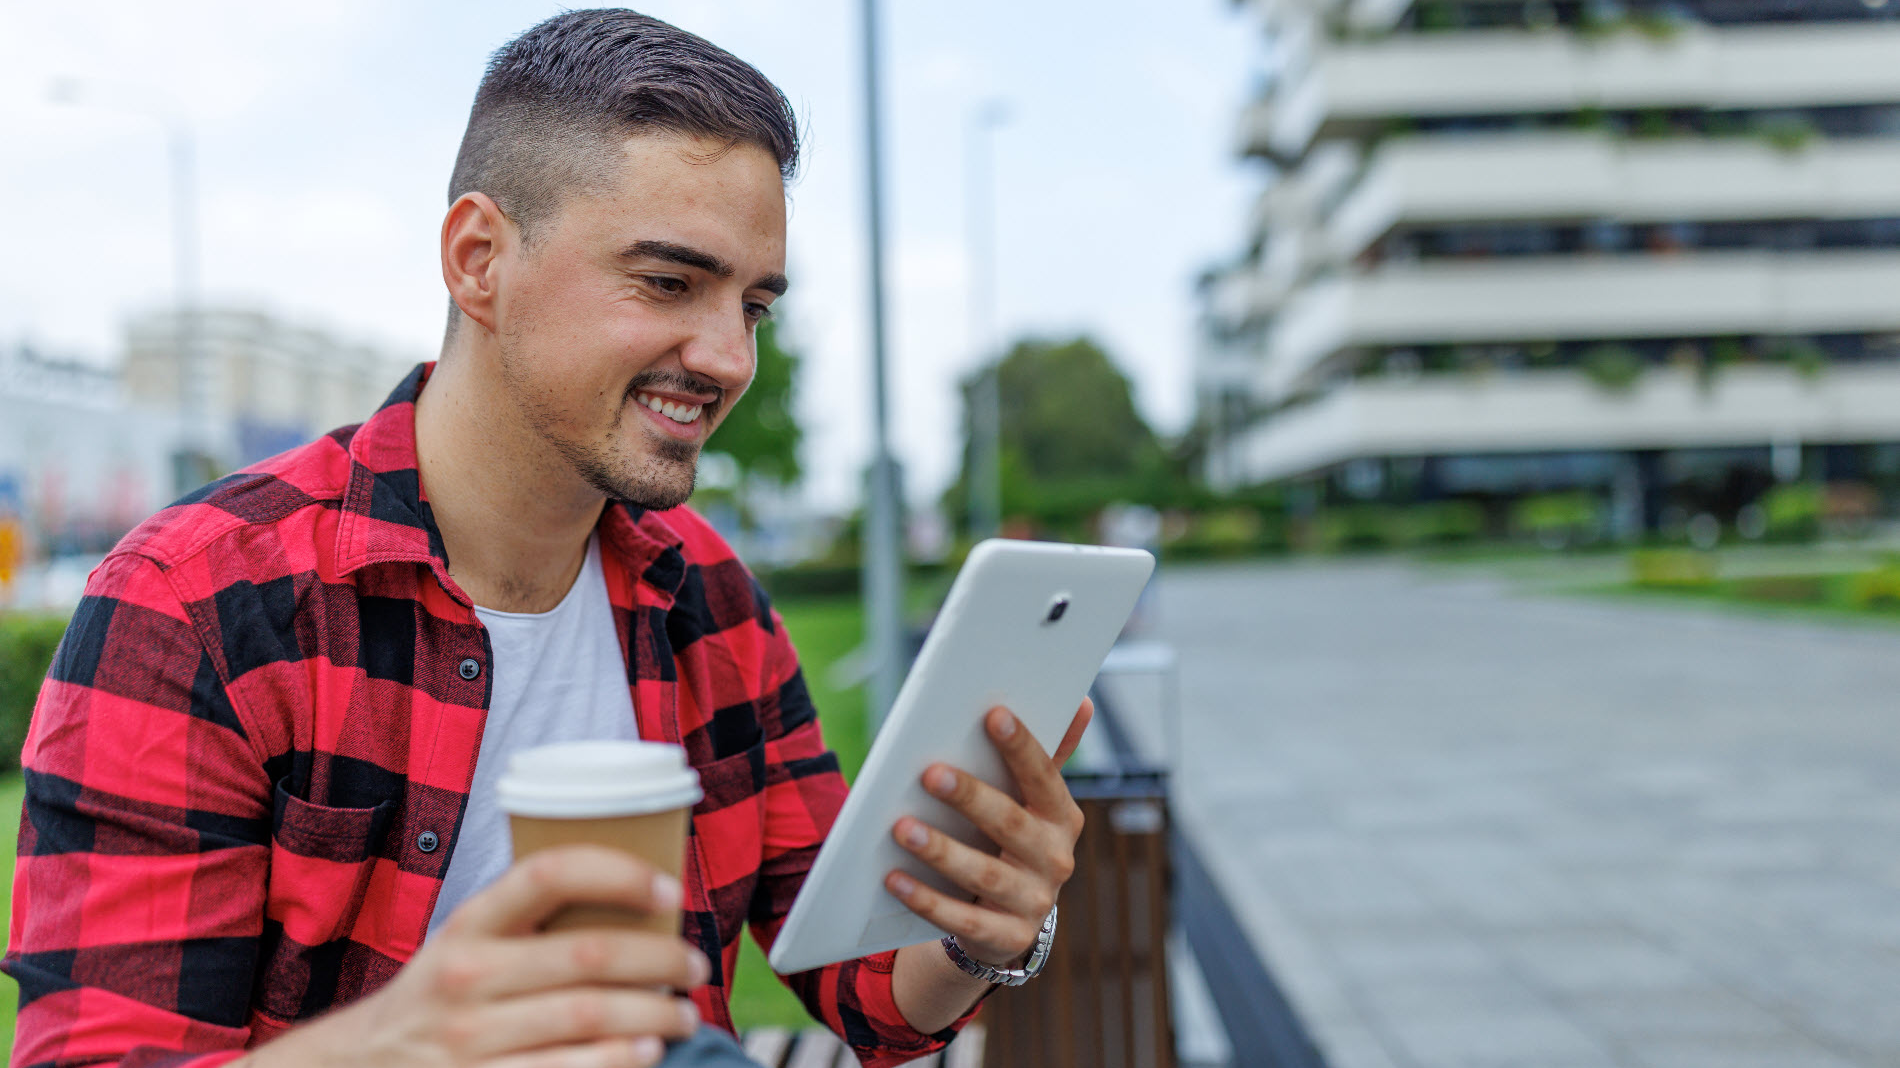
(277, 384)
(1510, 246)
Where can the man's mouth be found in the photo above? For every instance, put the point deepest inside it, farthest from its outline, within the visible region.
(684, 414)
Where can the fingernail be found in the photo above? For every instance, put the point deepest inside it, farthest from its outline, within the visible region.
(942, 782)
(1006, 726)
(904, 885)
(648, 1049)
(916, 837)
(666, 891)
(689, 1014)
(701, 968)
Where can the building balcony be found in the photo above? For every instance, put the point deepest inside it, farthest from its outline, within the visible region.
(1561, 411)
(1580, 176)
(1531, 72)
(1567, 298)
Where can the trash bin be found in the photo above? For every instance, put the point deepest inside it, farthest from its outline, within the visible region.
(1102, 999)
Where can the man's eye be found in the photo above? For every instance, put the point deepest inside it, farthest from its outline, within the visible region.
(666, 284)
(757, 312)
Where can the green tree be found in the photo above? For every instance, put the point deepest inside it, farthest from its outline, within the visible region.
(1072, 438)
(761, 432)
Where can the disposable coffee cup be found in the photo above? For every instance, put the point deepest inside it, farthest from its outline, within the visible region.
(636, 797)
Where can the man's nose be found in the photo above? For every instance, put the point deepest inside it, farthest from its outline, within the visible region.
(721, 349)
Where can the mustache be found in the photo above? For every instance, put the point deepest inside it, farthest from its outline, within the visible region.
(679, 382)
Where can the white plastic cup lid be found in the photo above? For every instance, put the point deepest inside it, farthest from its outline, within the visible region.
(591, 780)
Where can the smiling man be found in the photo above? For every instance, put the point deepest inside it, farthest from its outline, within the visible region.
(260, 818)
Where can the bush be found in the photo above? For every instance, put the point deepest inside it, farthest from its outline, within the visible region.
(1672, 569)
(1356, 528)
(1225, 534)
(1442, 523)
(27, 641)
(1793, 511)
(839, 578)
(1806, 358)
(810, 580)
(1558, 519)
(1877, 589)
(1613, 368)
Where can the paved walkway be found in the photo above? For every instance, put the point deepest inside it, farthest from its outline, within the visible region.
(1474, 828)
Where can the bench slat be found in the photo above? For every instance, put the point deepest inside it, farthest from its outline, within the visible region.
(767, 1045)
(967, 1050)
(817, 1048)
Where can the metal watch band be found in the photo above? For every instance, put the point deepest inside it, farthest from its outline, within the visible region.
(990, 973)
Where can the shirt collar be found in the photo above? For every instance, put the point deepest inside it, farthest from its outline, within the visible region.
(386, 516)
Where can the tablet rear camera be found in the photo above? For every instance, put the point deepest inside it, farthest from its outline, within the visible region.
(1057, 609)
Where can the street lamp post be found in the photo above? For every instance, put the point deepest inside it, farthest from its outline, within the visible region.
(883, 560)
(193, 461)
(986, 420)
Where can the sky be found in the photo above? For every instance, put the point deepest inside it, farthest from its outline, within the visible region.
(325, 131)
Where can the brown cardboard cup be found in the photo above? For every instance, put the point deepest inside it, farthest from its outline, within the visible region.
(637, 797)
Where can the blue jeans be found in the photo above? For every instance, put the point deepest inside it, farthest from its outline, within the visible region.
(708, 1048)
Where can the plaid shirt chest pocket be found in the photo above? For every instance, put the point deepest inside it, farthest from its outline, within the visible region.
(321, 859)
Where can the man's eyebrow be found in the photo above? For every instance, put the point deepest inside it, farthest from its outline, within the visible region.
(684, 255)
(688, 256)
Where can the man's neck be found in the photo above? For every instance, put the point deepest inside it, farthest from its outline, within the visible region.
(514, 517)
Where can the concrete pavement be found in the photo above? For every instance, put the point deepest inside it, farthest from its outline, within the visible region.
(1471, 827)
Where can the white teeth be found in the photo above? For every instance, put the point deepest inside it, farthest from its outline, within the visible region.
(679, 413)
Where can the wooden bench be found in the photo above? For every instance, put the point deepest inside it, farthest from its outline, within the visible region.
(776, 1047)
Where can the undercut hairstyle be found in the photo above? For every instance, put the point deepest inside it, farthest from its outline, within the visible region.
(558, 102)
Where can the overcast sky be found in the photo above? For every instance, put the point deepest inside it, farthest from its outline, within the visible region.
(326, 131)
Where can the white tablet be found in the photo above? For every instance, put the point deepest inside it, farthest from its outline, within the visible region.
(1026, 626)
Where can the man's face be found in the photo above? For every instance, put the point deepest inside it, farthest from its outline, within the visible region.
(626, 330)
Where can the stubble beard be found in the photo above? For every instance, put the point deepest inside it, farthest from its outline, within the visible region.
(662, 479)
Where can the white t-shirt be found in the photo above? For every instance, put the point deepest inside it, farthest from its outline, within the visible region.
(559, 676)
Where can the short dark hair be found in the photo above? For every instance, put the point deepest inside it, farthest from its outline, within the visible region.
(557, 101)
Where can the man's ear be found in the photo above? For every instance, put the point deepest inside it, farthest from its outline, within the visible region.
(474, 234)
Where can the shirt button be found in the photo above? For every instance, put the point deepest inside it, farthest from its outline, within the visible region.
(427, 841)
(470, 668)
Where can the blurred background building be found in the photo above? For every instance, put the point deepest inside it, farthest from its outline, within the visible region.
(88, 450)
(271, 385)
(1647, 254)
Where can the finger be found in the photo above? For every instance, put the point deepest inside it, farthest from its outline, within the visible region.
(479, 970)
(973, 925)
(1083, 717)
(1038, 777)
(530, 892)
(997, 882)
(1012, 827)
(611, 1053)
(568, 1017)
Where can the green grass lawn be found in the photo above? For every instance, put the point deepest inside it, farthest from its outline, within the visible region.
(12, 785)
(1863, 597)
(824, 630)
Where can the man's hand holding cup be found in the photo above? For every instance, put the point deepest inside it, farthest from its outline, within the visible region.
(570, 959)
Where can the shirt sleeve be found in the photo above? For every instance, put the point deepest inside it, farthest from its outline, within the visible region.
(138, 896)
(803, 792)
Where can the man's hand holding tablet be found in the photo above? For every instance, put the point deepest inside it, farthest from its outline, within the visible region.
(1015, 889)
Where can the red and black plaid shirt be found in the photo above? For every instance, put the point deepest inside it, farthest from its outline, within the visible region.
(249, 761)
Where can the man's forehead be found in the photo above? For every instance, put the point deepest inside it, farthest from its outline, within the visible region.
(725, 200)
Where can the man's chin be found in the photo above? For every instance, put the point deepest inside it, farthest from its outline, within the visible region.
(659, 486)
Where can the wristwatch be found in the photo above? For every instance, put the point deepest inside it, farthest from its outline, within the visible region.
(990, 973)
